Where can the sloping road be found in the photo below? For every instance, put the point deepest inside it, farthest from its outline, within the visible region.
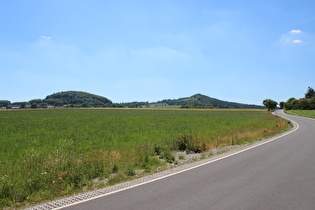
(276, 175)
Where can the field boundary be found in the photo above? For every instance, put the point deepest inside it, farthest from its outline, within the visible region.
(87, 196)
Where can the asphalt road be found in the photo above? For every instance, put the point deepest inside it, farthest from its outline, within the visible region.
(276, 175)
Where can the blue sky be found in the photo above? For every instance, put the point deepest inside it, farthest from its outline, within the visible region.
(235, 50)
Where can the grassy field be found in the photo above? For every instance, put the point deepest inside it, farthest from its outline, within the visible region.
(302, 113)
(54, 152)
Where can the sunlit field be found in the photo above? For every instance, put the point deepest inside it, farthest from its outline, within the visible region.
(51, 152)
(302, 113)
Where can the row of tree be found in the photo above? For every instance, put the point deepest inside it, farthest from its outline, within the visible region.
(4, 103)
(301, 104)
(307, 103)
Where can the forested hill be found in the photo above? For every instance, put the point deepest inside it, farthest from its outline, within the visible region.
(74, 99)
(83, 99)
(199, 100)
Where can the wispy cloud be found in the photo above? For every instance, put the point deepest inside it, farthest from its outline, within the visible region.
(45, 37)
(297, 41)
(295, 31)
(292, 37)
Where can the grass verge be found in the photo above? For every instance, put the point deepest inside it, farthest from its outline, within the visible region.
(302, 113)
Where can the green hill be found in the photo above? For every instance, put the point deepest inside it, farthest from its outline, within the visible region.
(199, 100)
(83, 99)
(76, 99)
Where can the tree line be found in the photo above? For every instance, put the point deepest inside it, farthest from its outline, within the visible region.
(306, 103)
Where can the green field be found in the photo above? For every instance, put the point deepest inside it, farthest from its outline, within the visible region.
(51, 152)
(302, 113)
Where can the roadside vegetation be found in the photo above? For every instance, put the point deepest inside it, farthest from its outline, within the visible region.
(306, 103)
(47, 153)
(302, 113)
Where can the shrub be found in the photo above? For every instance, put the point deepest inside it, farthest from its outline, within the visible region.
(168, 156)
(191, 143)
(129, 170)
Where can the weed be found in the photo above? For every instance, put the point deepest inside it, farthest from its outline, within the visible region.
(129, 170)
(116, 178)
(168, 156)
(115, 168)
(181, 157)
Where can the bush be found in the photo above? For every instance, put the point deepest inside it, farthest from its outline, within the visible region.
(129, 170)
(191, 143)
(168, 156)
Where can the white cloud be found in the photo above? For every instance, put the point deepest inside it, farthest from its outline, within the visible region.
(295, 31)
(45, 37)
(292, 37)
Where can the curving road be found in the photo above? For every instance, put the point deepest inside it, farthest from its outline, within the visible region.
(276, 175)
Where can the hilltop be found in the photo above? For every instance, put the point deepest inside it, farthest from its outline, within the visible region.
(199, 100)
(74, 99)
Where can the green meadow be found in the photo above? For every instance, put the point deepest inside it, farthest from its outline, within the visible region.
(302, 113)
(49, 153)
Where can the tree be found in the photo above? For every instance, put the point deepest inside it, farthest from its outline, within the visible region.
(34, 106)
(270, 104)
(281, 104)
(5, 103)
(312, 103)
(43, 105)
(310, 93)
(23, 105)
(36, 101)
(290, 103)
(305, 105)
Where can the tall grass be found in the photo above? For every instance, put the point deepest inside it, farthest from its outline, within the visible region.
(49, 153)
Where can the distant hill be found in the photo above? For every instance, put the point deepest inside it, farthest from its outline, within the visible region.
(76, 99)
(83, 99)
(199, 100)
